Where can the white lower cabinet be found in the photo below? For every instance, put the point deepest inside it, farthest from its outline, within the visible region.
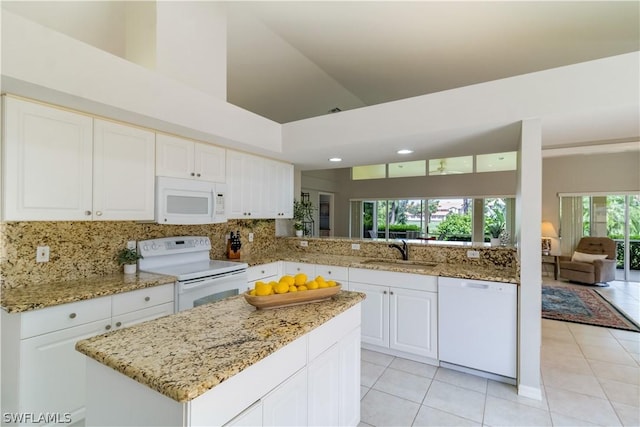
(52, 372)
(41, 370)
(401, 318)
(264, 272)
(287, 404)
(324, 393)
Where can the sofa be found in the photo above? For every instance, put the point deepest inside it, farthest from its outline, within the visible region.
(594, 261)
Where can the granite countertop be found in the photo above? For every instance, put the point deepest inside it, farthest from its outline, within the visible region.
(16, 300)
(464, 271)
(184, 355)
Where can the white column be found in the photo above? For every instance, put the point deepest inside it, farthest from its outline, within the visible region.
(528, 220)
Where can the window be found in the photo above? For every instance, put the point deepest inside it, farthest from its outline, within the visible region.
(407, 169)
(369, 172)
(449, 219)
(451, 165)
(495, 162)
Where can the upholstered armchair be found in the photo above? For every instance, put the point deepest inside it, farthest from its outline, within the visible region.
(594, 261)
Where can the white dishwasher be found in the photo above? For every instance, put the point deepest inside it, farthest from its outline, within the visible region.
(477, 325)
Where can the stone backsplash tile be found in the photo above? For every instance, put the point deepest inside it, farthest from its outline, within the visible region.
(81, 249)
(440, 252)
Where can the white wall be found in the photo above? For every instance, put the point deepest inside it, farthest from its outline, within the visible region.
(191, 45)
(49, 66)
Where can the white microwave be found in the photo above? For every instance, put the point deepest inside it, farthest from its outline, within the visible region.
(186, 201)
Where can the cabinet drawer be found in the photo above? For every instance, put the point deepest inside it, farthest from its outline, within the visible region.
(139, 316)
(64, 316)
(331, 272)
(261, 271)
(142, 298)
(418, 282)
(294, 268)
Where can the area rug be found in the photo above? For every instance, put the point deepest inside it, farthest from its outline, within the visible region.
(585, 306)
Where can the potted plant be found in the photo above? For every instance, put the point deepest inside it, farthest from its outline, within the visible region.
(495, 229)
(302, 212)
(128, 258)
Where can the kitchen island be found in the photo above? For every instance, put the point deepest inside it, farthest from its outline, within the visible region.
(224, 362)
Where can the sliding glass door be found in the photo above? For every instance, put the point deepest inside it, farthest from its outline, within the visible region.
(616, 216)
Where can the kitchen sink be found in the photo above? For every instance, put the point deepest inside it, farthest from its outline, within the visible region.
(417, 265)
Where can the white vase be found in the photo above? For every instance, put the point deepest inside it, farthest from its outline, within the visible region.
(495, 241)
(298, 233)
(130, 268)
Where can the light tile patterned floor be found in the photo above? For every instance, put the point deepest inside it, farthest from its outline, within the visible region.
(590, 376)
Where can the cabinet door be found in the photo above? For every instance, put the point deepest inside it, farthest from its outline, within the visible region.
(323, 400)
(123, 172)
(52, 372)
(253, 187)
(47, 163)
(284, 190)
(235, 184)
(287, 404)
(250, 417)
(413, 321)
(270, 189)
(174, 157)
(210, 163)
(375, 313)
(350, 379)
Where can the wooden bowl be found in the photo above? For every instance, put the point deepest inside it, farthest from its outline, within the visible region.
(291, 298)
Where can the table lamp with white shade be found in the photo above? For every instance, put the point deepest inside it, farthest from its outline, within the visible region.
(548, 232)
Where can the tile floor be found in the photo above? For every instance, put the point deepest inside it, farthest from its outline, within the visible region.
(590, 376)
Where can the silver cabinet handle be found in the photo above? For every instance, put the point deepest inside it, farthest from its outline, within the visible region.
(198, 175)
(193, 174)
(261, 271)
(147, 299)
(391, 292)
(87, 213)
(118, 324)
(99, 213)
(107, 327)
(329, 272)
(72, 316)
(384, 292)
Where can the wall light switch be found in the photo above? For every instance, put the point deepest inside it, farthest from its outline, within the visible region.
(304, 243)
(355, 246)
(473, 254)
(42, 254)
(251, 237)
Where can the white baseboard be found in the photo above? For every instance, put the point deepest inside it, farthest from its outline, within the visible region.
(530, 392)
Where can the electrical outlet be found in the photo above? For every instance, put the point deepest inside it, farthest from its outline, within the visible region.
(42, 254)
(131, 244)
(355, 246)
(304, 243)
(250, 237)
(473, 254)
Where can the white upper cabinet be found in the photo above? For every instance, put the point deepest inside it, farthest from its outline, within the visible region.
(60, 166)
(258, 187)
(47, 162)
(183, 158)
(123, 172)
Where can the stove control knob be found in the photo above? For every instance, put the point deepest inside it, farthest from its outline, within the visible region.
(154, 247)
(207, 241)
(201, 242)
(145, 247)
(195, 243)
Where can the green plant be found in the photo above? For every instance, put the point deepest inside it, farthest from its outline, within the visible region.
(128, 256)
(495, 229)
(302, 210)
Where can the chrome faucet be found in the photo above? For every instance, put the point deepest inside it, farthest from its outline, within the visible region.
(403, 250)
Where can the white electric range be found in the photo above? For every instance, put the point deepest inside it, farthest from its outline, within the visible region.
(200, 280)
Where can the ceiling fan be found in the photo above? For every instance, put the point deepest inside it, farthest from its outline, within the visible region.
(442, 169)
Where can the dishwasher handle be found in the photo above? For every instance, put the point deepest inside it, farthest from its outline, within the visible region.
(475, 285)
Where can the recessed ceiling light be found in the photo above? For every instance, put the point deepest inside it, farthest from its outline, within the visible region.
(405, 151)
(335, 159)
